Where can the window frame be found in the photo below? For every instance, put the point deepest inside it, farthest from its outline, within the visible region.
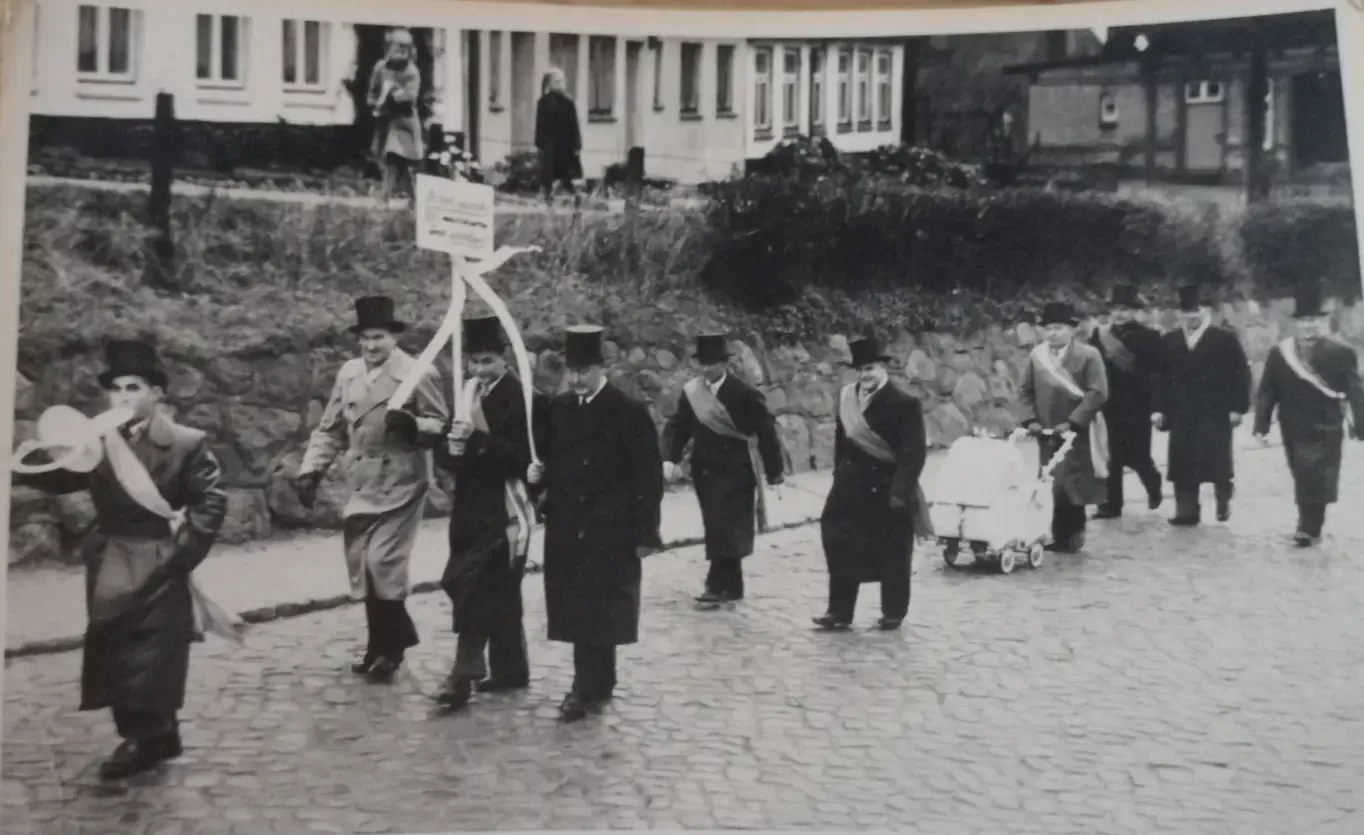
(843, 65)
(300, 44)
(726, 80)
(690, 82)
(883, 112)
(597, 109)
(215, 81)
(103, 35)
(1200, 91)
(863, 106)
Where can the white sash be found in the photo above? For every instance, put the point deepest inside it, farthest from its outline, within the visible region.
(1098, 427)
(133, 477)
(518, 498)
(706, 406)
(861, 435)
(1289, 349)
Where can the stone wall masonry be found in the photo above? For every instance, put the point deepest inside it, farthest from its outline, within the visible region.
(259, 411)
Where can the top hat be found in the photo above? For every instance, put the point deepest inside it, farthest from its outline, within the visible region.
(1126, 295)
(1307, 300)
(712, 348)
(483, 336)
(582, 346)
(132, 358)
(866, 351)
(376, 312)
(1059, 313)
(1190, 298)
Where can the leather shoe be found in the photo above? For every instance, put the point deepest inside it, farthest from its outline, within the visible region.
(384, 669)
(501, 685)
(828, 623)
(1184, 521)
(136, 756)
(455, 694)
(575, 708)
(889, 624)
(1107, 512)
(364, 665)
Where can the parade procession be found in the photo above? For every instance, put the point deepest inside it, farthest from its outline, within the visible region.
(589, 466)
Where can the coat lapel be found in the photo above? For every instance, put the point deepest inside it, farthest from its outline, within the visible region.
(370, 396)
(590, 419)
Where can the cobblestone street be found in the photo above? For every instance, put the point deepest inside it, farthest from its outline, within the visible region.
(1201, 681)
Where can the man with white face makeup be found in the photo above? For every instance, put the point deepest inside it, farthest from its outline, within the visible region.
(875, 504)
(1202, 396)
(1313, 382)
(602, 478)
(136, 650)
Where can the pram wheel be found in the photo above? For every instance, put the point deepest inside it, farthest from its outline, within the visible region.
(1035, 555)
(951, 550)
(1007, 562)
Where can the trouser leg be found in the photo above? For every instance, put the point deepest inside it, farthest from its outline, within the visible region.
(1149, 474)
(508, 658)
(145, 725)
(726, 577)
(594, 672)
(1311, 518)
(1115, 490)
(470, 664)
(391, 630)
(895, 598)
(1187, 502)
(842, 599)
(1224, 491)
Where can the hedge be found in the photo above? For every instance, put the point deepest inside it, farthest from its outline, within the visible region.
(1283, 243)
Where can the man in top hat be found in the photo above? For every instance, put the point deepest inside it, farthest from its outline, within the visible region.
(602, 477)
(1313, 381)
(1202, 396)
(1064, 390)
(734, 442)
(138, 561)
(388, 474)
(1131, 353)
(490, 521)
(875, 504)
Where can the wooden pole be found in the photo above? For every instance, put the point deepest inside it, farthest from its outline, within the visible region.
(159, 270)
(458, 297)
(1257, 172)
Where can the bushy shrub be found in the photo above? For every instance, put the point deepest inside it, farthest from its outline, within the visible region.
(519, 173)
(1287, 242)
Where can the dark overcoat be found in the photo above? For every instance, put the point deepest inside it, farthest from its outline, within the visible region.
(603, 494)
(1046, 403)
(721, 467)
(558, 137)
(1131, 391)
(482, 578)
(1312, 423)
(1197, 394)
(141, 616)
(865, 539)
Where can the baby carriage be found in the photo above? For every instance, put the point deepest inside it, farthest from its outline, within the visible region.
(984, 499)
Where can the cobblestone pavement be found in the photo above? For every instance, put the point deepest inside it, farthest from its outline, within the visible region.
(1165, 681)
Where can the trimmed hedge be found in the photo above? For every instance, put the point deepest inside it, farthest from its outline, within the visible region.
(1286, 242)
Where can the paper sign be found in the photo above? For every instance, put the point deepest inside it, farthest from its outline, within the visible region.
(455, 217)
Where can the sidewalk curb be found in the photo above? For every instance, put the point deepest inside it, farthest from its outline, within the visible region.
(283, 611)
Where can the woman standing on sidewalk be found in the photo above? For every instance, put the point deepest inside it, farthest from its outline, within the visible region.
(394, 91)
(558, 137)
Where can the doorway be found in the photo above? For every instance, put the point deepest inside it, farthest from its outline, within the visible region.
(634, 114)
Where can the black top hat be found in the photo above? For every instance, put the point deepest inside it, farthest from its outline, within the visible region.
(1126, 295)
(483, 335)
(1190, 298)
(582, 346)
(866, 351)
(376, 312)
(1307, 300)
(1059, 313)
(712, 348)
(132, 358)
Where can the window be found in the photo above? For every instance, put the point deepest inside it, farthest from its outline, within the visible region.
(1270, 127)
(1108, 110)
(563, 53)
(724, 79)
(1204, 92)
(495, 70)
(219, 46)
(863, 89)
(816, 91)
(790, 91)
(762, 91)
(883, 87)
(844, 88)
(690, 103)
(303, 54)
(601, 75)
(104, 45)
(658, 77)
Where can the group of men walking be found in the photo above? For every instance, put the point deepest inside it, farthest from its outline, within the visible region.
(590, 463)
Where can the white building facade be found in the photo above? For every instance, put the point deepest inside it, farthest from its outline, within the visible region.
(699, 107)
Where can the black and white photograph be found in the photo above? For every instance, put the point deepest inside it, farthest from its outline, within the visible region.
(435, 416)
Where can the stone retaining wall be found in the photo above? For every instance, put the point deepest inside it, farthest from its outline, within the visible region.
(260, 410)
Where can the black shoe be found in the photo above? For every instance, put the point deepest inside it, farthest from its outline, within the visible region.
(501, 685)
(1223, 512)
(1108, 512)
(134, 757)
(889, 624)
(1302, 539)
(365, 664)
(707, 598)
(384, 669)
(455, 694)
(1185, 521)
(575, 708)
(1155, 499)
(829, 624)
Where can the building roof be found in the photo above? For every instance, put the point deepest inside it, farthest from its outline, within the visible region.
(1315, 29)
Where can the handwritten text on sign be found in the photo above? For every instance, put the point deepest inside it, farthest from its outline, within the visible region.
(455, 217)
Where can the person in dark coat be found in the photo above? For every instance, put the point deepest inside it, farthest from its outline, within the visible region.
(734, 443)
(872, 510)
(394, 94)
(490, 521)
(138, 564)
(602, 478)
(1064, 390)
(1132, 355)
(1202, 396)
(558, 137)
(1313, 382)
